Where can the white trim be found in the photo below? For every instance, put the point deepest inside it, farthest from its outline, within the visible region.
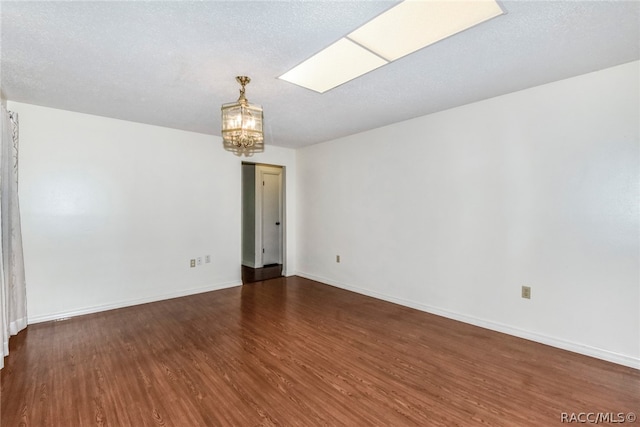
(261, 171)
(129, 303)
(248, 264)
(257, 249)
(586, 350)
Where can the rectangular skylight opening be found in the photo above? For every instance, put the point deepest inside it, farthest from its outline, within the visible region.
(401, 30)
(415, 24)
(337, 64)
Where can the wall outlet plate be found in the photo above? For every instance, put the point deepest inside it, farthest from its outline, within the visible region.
(207, 259)
(338, 258)
(192, 263)
(526, 292)
(199, 260)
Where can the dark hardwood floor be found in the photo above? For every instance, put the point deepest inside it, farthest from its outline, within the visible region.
(295, 352)
(252, 275)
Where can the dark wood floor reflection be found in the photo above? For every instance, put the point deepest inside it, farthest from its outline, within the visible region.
(251, 275)
(295, 352)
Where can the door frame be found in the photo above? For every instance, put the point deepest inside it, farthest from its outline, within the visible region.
(261, 171)
(261, 168)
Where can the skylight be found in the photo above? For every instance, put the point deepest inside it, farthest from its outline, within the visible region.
(342, 61)
(401, 30)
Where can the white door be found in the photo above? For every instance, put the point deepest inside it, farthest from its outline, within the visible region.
(271, 218)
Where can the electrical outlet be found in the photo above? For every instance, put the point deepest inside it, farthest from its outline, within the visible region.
(207, 259)
(338, 258)
(192, 263)
(526, 292)
(199, 261)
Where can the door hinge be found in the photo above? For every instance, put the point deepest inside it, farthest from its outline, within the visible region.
(262, 250)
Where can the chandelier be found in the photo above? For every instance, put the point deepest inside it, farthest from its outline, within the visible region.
(241, 121)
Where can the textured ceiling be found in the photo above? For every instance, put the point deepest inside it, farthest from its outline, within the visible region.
(174, 63)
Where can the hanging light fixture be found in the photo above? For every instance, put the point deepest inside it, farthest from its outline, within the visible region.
(241, 121)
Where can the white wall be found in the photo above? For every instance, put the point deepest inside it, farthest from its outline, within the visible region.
(453, 212)
(112, 211)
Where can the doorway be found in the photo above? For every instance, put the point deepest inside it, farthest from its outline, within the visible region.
(263, 221)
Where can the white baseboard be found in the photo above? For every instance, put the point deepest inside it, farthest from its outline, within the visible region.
(586, 350)
(131, 302)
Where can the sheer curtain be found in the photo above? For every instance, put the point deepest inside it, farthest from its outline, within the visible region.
(13, 291)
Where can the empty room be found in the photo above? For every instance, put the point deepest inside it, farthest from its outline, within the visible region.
(301, 213)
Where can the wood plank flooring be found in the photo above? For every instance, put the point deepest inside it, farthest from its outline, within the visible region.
(290, 351)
